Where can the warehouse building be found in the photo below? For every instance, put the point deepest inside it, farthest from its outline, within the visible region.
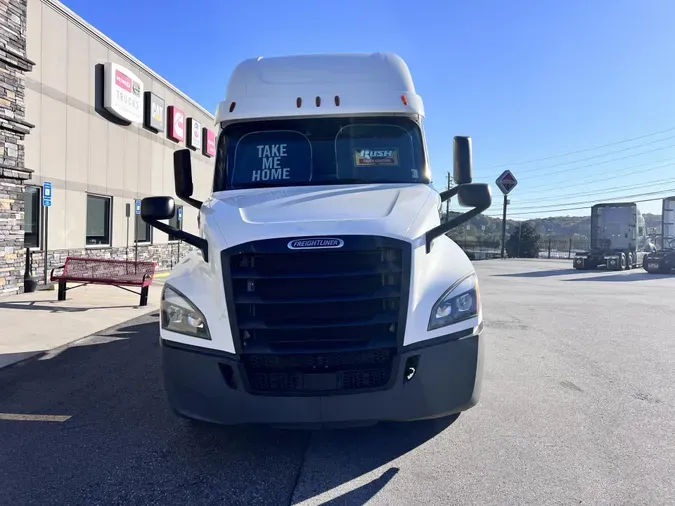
(93, 132)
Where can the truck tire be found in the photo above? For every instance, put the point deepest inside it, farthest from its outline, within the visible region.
(622, 262)
(644, 262)
(630, 262)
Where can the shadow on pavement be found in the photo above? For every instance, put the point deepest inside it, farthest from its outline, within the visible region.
(55, 307)
(123, 445)
(540, 274)
(339, 456)
(365, 492)
(625, 277)
(11, 358)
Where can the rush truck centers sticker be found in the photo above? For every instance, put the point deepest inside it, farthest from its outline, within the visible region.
(375, 157)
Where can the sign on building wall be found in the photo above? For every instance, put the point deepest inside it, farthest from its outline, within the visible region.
(122, 93)
(208, 142)
(176, 130)
(194, 134)
(154, 112)
(125, 98)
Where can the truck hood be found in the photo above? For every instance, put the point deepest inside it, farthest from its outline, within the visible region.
(378, 209)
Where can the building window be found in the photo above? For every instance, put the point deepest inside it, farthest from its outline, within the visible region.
(176, 222)
(98, 220)
(31, 217)
(143, 230)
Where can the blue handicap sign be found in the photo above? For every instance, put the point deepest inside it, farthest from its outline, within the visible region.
(138, 207)
(47, 194)
(180, 213)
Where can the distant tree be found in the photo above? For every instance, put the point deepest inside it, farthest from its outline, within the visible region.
(523, 242)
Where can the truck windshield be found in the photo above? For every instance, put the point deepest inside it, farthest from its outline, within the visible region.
(320, 151)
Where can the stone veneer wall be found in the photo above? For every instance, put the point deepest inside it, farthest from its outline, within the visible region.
(166, 256)
(13, 128)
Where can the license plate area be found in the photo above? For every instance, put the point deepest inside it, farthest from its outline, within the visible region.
(318, 373)
(320, 382)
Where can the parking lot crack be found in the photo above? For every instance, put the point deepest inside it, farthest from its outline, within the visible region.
(300, 468)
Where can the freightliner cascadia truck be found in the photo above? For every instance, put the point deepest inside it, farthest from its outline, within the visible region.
(618, 237)
(322, 288)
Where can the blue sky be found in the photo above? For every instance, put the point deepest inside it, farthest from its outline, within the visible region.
(526, 79)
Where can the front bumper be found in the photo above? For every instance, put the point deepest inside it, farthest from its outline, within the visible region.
(208, 386)
(662, 262)
(610, 262)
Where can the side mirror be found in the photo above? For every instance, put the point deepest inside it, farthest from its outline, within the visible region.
(476, 195)
(462, 164)
(182, 175)
(157, 208)
(154, 209)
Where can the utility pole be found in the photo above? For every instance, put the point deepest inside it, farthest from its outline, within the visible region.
(447, 202)
(506, 203)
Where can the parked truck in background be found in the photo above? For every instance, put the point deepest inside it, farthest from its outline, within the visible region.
(323, 287)
(618, 238)
(663, 260)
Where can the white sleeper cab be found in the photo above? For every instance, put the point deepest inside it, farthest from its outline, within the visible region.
(323, 288)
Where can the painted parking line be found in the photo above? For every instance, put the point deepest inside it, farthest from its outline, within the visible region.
(19, 417)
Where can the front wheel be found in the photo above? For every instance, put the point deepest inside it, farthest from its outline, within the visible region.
(629, 261)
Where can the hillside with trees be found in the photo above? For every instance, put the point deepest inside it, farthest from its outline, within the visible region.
(577, 228)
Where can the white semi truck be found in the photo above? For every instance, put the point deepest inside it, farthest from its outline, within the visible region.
(618, 238)
(663, 260)
(322, 288)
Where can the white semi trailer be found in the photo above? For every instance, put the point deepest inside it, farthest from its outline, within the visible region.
(618, 238)
(323, 288)
(663, 260)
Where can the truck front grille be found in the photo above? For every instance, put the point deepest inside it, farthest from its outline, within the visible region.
(288, 304)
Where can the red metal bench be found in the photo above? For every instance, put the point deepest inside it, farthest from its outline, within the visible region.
(99, 271)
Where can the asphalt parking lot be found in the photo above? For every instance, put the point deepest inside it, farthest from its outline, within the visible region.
(577, 407)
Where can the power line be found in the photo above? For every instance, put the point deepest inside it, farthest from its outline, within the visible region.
(606, 190)
(603, 155)
(554, 185)
(572, 209)
(546, 208)
(571, 169)
(622, 197)
(613, 174)
(564, 210)
(577, 151)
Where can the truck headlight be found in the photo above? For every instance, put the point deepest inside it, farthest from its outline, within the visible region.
(179, 315)
(459, 302)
